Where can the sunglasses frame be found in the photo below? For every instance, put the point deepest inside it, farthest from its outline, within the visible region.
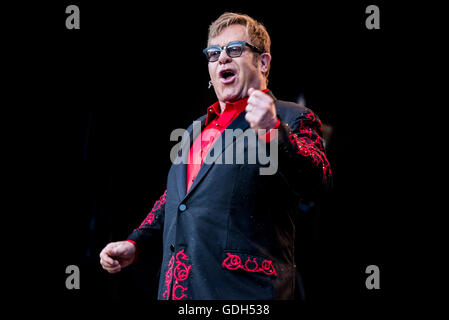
(226, 48)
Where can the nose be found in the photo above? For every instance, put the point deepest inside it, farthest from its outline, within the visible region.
(224, 58)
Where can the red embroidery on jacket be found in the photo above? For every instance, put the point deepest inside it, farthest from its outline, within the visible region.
(234, 262)
(310, 144)
(157, 206)
(180, 273)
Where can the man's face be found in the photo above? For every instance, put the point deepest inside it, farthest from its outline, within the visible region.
(232, 77)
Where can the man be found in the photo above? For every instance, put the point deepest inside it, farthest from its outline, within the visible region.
(228, 231)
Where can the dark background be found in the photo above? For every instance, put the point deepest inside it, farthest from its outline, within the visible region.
(92, 111)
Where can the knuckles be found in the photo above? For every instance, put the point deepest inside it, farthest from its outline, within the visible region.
(260, 106)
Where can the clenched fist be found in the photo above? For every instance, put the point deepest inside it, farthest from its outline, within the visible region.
(260, 111)
(117, 255)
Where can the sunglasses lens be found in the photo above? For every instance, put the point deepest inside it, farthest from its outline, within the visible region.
(234, 50)
(213, 54)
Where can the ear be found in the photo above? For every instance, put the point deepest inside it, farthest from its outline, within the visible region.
(265, 60)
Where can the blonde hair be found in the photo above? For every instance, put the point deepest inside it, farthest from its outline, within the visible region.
(255, 30)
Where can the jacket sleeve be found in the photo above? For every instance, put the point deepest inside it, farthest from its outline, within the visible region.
(149, 233)
(302, 160)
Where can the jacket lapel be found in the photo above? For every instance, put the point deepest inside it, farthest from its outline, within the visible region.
(238, 123)
(181, 168)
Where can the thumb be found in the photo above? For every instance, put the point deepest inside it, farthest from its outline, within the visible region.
(250, 91)
(116, 251)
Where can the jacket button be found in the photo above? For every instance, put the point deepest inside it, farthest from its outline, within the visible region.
(172, 248)
(182, 207)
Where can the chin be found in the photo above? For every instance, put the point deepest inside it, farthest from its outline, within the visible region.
(231, 94)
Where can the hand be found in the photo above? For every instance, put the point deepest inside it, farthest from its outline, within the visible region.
(117, 255)
(260, 111)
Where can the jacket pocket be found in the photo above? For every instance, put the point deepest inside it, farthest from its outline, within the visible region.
(239, 261)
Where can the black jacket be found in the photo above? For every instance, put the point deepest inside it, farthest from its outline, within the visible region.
(232, 235)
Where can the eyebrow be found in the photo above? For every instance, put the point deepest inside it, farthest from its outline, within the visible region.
(217, 45)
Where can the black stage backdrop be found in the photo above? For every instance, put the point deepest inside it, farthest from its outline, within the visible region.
(93, 109)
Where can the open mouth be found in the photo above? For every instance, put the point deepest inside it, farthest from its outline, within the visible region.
(227, 76)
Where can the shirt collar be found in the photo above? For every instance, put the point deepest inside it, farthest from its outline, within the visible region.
(237, 107)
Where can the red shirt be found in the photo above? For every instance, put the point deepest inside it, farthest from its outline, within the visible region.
(216, 123)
